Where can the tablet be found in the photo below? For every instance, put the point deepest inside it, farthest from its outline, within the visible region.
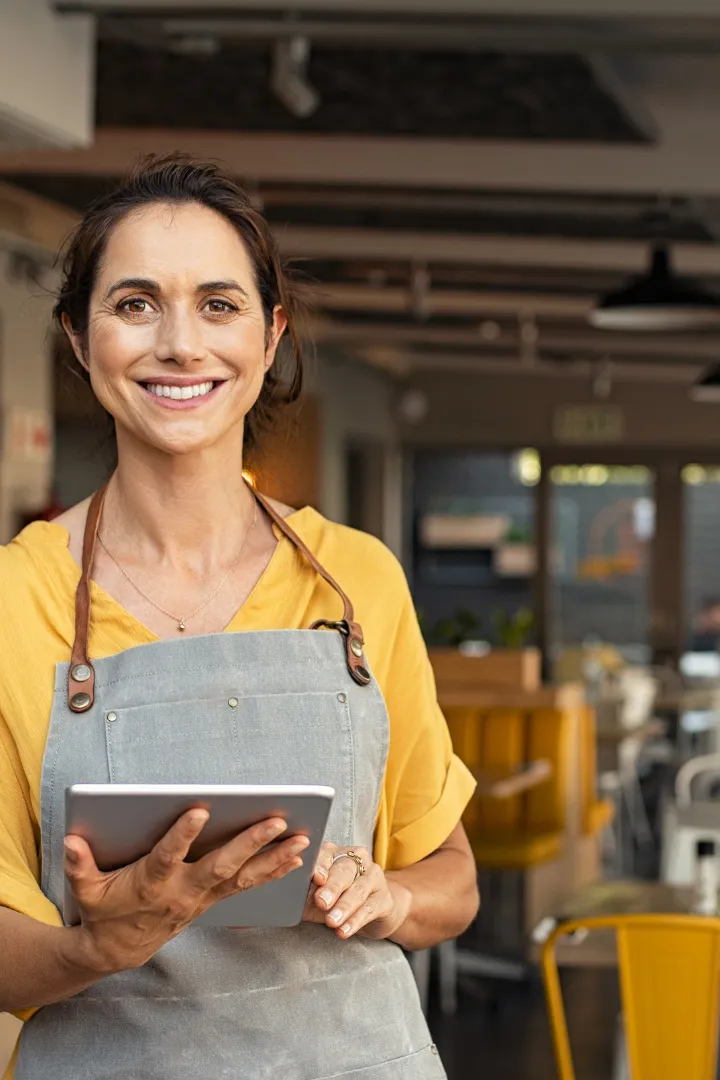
(123, 822)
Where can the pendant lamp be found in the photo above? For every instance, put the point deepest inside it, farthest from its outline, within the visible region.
(658, 300)
(707, 387)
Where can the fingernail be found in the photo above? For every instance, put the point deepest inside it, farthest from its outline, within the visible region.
(299, 846)
(326, 896)
(345, 929)
(320, 871)
(276, 828)
(199, 817)
(70, 853)
(335, 916)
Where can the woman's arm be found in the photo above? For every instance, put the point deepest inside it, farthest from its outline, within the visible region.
(444, 897)
(40, 964)
(432, 901)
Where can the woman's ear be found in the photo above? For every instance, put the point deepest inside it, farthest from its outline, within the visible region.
(75, 341)
(279, 325)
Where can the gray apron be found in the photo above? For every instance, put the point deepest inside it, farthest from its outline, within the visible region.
(288, 1004)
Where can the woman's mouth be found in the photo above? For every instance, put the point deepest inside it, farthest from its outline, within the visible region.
(181, 396)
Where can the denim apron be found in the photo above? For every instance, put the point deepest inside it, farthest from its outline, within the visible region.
(275, 707)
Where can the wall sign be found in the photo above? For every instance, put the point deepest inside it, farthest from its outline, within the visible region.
(588, 424)
(28, 435)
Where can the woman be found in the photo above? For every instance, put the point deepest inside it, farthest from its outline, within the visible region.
(195, 597)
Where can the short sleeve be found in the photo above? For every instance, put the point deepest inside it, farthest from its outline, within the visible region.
(426, 786)
(19, 859)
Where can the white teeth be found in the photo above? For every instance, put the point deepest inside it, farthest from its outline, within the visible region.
(180, 393)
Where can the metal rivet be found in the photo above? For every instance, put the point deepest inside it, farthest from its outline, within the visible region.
(434, 1049)
(342, 698)
(111, 716)
(356, 647)
(81, 702)
(233, 703)
(81, 673)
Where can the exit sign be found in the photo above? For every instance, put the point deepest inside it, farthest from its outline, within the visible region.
(588, 424)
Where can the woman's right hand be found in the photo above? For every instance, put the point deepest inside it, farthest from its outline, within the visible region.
(128, 914)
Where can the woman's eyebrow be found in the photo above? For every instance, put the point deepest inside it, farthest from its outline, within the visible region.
(146, 284)
(222, 286)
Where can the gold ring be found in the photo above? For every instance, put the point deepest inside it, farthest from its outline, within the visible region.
(361, 868)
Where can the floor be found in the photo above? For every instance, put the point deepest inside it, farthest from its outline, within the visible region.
(501, 1032)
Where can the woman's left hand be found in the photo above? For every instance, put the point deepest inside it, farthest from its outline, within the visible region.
(349, 902)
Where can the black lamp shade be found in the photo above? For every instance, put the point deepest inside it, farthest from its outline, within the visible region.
(658, 300)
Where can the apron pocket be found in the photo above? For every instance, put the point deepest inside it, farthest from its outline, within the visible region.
(287, 738)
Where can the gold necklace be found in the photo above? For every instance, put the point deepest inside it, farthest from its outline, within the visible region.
(183, 621)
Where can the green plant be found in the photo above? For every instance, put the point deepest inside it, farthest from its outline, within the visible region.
(513, 630)
(462, 626)
(518, 534)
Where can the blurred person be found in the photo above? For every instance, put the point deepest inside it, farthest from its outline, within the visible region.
(706, 629)
(195, 588)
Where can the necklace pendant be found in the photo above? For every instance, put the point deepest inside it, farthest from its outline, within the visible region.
(181, 624)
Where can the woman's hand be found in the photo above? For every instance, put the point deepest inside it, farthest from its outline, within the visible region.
(128, 914)
(350, 903)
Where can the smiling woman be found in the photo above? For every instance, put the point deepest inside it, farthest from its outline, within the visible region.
(180, 627)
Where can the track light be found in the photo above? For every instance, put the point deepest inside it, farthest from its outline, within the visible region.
(289, 76)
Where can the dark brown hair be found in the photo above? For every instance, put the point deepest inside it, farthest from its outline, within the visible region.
(179, 178)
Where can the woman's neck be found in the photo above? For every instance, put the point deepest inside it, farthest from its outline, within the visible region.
(194, 507)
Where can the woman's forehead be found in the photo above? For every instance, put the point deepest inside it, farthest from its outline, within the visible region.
(184, 240)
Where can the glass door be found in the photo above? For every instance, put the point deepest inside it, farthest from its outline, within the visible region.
(601, 533)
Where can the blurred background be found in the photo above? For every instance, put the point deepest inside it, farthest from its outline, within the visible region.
(508, 214)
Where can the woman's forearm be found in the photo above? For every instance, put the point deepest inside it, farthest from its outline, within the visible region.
(443, 899)
(41, 964)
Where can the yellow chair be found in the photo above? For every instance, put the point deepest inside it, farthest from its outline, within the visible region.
(523, 830)
(670, 989)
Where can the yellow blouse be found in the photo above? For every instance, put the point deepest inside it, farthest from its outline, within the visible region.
(426, 788)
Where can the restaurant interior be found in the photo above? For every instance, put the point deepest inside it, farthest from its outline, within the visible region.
(508, 215)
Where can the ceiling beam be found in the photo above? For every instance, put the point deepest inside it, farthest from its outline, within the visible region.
(685, 162)
(341, 297)
(549, 8)
(647, 347)
(530, 252)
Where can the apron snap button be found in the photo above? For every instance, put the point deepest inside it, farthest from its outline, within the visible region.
(81, 702)
(342, 698)
(233, 702)
(81, 673)
(111, 716)
(434, 1049)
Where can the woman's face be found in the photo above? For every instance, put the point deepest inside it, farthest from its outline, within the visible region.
(177, 343)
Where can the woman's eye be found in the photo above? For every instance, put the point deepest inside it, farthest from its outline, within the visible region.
(134, 306)
(220, 307)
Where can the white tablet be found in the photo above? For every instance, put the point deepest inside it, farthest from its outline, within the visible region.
(123, 822)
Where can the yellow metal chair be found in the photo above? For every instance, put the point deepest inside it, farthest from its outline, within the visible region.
(670, 988)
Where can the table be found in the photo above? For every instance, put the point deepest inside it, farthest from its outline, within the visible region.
(613, 898)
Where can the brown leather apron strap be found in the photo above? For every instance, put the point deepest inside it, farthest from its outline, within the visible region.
(351, 630)
(81, 678)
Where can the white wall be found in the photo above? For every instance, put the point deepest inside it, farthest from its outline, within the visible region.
(356, 404)
(25, 383)
(47, 76)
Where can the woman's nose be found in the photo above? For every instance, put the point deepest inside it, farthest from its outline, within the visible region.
(180, 338)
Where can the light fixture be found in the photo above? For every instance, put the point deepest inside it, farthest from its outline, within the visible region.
(658, 300)
(707, 387)
(289, 76)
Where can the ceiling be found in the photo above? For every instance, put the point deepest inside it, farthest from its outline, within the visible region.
(467, 185)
